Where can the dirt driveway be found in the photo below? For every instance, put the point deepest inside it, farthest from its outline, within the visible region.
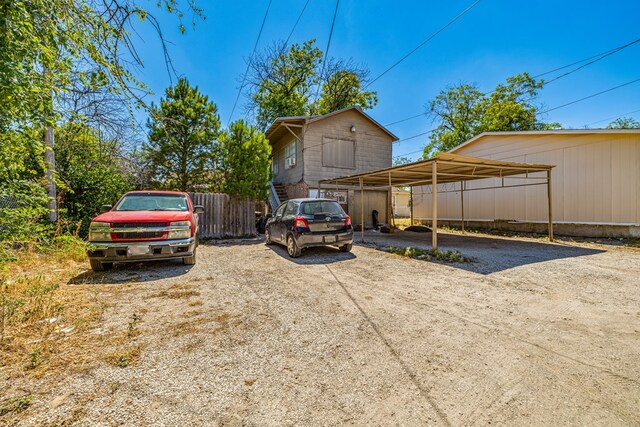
(251, 337)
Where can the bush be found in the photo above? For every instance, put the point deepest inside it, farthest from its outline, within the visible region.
(22, 210)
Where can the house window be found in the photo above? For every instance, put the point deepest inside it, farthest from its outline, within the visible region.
(290, 155)
(338, 153)
(274, 165)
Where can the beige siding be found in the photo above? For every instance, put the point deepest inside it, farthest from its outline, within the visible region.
(596, 180)
(372, 146)
(373, 200)
(294, 174)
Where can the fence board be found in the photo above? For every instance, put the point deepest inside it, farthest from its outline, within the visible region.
(225, 217)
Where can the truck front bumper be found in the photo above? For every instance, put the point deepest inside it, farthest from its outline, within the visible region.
(141, 251)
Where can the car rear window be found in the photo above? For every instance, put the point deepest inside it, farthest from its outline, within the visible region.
(152, 202)
(321, 207)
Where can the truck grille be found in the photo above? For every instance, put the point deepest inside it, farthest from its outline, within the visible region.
(138, 224)
(140, 235)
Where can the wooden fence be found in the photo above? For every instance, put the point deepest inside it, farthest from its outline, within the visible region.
(225, 217)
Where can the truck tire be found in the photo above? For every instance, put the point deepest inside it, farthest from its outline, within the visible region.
(97, 265)
(190, 260)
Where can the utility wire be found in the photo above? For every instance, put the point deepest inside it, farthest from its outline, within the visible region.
(428, 39)
(594, 58)
(246, 72)
(590, 96)
(600, 55)
(296, 24)
(326, 52)
(614, 117)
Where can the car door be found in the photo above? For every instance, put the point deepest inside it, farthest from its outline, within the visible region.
(287, 218)
(275, 227)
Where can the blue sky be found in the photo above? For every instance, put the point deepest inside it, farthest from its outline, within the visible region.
(495, 40)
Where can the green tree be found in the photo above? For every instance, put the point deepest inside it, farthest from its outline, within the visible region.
(463, 111)
(91, 171)
(342, 89)
(283, 82)
(245, 161)
(624, 123)
(182, 148)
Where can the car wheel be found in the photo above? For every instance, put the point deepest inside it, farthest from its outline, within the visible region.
(267, 237)
(292, 248)
(346, 248)
(96, 265)
(190, 260)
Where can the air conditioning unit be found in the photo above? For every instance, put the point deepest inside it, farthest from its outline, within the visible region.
(291, 161)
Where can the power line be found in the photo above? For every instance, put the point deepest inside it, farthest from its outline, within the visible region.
(614, 117)
(600, 55)
(595, 58)
(296, 24)
(326, 52)
(590, 96)
(244, 79)
(611, 52)
(428, 39)
(414, 136)
(404, 120)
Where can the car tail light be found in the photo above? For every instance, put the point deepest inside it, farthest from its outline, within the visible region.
(301, 222)
(347, 222)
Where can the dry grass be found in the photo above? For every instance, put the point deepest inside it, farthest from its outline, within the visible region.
(126, 356)
(41, 317)
(177, 292)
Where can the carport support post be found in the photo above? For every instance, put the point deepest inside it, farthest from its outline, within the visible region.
(434, 203)
(462, 204)
(361, 211)
(550, 205)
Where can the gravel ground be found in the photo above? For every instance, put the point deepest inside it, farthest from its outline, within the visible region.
(531, 333)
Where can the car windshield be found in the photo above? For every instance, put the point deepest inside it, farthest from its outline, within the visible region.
(152, 202)
(321, 207)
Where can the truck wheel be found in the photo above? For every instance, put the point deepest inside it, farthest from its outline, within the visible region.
(190, 260)
(267, 237)
(292, 248)
(96, 265)
(346, 248)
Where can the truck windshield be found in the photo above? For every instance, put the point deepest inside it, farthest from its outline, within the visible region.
(152, 202)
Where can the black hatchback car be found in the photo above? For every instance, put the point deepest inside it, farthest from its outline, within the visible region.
(303, 223)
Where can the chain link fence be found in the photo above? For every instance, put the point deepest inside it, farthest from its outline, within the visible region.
(8, 202)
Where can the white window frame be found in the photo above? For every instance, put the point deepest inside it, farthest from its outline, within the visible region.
(275, 167)
(290, 153)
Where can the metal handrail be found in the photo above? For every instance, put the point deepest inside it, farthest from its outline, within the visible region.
(274, 200)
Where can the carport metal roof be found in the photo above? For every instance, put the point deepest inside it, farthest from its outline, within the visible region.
(442, 169)
(450, 168)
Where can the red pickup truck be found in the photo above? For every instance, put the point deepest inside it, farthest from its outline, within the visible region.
(144, 226)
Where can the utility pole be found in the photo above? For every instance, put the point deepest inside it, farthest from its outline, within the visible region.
(50, 157)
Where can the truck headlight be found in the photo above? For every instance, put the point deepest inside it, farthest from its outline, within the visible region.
(99, 231)
(180, 234)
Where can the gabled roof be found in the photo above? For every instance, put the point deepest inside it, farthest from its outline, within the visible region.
(303, 120)
(546, 132)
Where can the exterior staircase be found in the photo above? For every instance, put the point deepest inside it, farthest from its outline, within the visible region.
(277, 195)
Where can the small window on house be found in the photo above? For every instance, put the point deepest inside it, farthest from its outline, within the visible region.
(274, 164)
(338, 153)
(290, 155)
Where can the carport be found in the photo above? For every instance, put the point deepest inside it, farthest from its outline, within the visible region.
(447, 168)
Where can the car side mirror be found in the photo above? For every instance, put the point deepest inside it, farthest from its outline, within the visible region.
(198, 209)
(106, 208)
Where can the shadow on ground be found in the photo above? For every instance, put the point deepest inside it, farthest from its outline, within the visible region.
(134, 272)
(492, 254)
(314, 256)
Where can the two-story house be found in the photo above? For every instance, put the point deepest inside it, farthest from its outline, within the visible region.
(310, 148)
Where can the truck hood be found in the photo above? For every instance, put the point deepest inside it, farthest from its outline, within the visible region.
(143, 216)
